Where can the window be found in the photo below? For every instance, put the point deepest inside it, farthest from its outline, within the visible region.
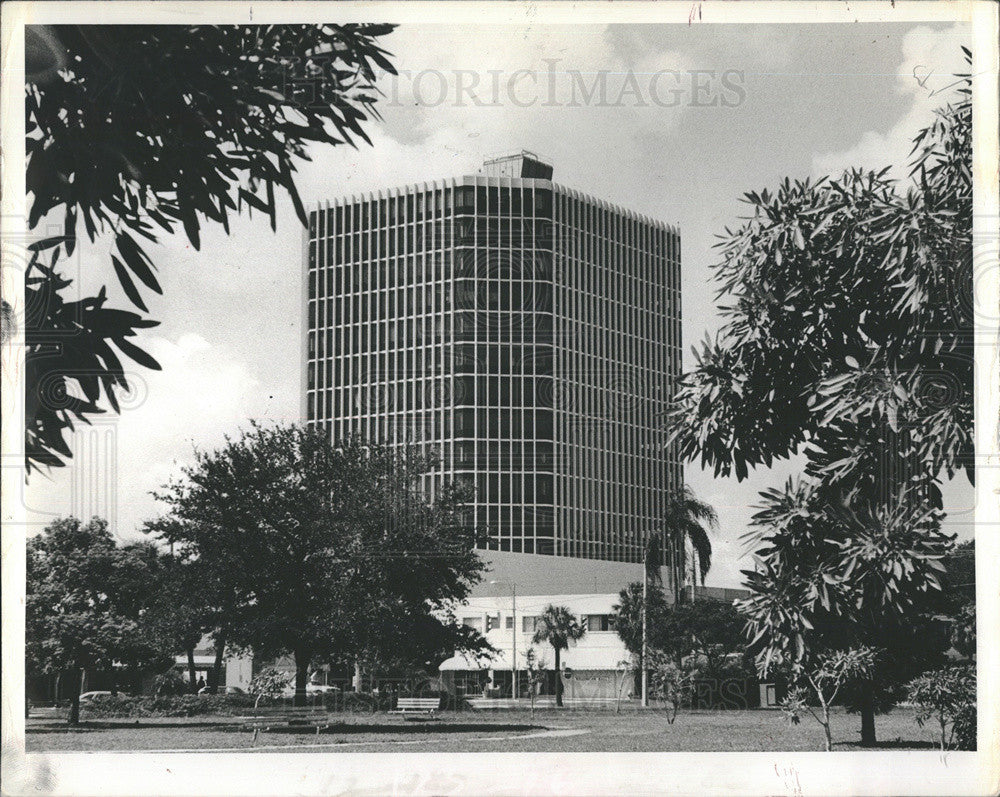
(599, 622)
(475, 623)
(464, 198)
(529, 624)
(543, 203)
(464, 423)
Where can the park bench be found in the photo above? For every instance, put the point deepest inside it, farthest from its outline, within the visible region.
(416, 705)
(268, 717)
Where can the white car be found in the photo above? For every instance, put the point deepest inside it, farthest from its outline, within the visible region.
(321, 689)
(311, 689)
(87, 696)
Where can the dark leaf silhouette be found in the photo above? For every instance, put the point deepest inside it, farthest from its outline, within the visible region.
(175, 126)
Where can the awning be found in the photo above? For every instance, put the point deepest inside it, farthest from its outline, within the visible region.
(464, 662)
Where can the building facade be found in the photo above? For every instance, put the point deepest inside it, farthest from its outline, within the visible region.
(592, 668)
(526, 332)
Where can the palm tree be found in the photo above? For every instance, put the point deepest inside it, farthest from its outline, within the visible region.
(688, 519)
(558, 626)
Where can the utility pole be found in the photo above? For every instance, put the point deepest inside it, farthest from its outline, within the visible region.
(645, 602)
(513, 615)
(513, 619)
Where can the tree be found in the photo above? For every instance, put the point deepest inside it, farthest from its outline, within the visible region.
(558, 626)
(671, 682)
(627, 619)
(199, 598)
(957, 600)
(948, 696)
(963, 631)
(407, 641)
(686, 519)
(322, 543)
(535, 668)
(139, 127)
(268, 683)
(86, 598)
(825, 676)
(848, 340)
(624, 667)
(708, 633)
(958, 581)
(179, 617)
(828, 580)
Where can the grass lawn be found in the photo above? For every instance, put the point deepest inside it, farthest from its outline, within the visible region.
(567, 730)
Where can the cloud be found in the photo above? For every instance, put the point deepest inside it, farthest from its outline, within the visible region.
(202, 393)
(573, 95)
(926, 76)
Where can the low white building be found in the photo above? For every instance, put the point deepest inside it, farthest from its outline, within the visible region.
(592, 667)
(237, 670)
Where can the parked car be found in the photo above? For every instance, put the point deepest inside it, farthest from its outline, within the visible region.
(311, 689)
(87, 696)
(227, 690)
(321, 688)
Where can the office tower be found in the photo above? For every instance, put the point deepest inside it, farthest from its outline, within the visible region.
(529, 333)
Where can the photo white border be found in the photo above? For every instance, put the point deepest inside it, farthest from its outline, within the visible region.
(876, 772)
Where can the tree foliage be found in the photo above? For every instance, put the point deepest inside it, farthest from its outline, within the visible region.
(671, 682)
(686, 520)
(627, 618)
(848, 327)
(137, 131)
(74, 353)
(832, 569)
(829, 579)
(87, 599)
(848, 340)
(823, 679)
(534, 666)
(948, 697)
(268, 683)
(707, 634)
(198, 597)
(326, 547)
(558, 626)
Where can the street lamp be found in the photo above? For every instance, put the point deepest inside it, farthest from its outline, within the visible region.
(513, 618)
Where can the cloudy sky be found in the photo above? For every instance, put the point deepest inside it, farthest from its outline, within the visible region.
(734, 109)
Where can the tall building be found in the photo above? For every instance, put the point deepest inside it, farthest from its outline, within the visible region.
(529, 333)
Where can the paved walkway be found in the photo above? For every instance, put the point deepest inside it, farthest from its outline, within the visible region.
(431, 739)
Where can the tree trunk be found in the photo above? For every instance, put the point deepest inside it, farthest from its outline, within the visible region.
(826, 729)
(944, 738)
(220, 652)
(75, 682)
(559, 684)
(867, 714)
(301, 677)
(192, 675)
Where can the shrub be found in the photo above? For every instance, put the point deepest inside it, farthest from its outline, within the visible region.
(964, 728)
(269, 682)
(825, 676)
(176, 705)
(114, 706)
(170, 683)
(111, 707)
(670, 683)
(947, 695)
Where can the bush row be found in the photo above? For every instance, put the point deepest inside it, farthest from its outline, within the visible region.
(122, 706)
